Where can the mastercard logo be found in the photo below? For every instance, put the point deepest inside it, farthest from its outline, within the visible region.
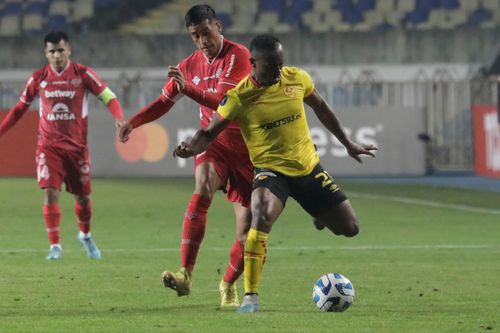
(147, 143)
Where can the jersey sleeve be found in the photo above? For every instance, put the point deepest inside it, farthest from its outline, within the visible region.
(30, 91)
(170, 91)
(230, 106)
(236, 68)
(93, 82)
(307, 82)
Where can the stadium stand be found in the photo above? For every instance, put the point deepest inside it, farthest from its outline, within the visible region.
(282, 16)
(35, 17)
(31, 17)
(10, 23)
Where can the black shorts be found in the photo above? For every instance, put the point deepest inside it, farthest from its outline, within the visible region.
(316, 193)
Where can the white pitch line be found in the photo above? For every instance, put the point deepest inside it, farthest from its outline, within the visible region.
(291, 248)
(428, 203)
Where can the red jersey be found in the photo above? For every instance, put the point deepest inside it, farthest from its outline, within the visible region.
(63, 104)
(222, 73)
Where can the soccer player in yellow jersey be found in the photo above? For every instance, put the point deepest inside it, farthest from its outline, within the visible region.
(269, 106)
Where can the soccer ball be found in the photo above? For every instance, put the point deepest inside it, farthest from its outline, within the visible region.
(333, 292)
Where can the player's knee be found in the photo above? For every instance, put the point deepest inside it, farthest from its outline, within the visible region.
(51, 196)
(204, 187)
(260, 217)
(348, 228)
(83, 200)
(352, 229)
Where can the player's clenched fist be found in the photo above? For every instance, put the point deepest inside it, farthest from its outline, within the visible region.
(183, 150)
(124, 131)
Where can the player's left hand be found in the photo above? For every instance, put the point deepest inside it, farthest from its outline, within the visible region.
(183, 150)
(354, 150)
(119, 123)
(176, 74)
(123, 132)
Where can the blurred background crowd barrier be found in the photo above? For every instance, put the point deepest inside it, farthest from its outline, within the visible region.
(409, 75)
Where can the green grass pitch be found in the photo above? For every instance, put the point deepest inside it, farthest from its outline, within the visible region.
(427, 259)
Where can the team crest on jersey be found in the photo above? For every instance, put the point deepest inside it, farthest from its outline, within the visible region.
(76, 82)
(290, 91)
(196, 80)
(43, 84)
(218, 73)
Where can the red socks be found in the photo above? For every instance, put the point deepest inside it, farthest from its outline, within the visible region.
(84, 214)
(193, 230)
(236, 262)
(52, 216)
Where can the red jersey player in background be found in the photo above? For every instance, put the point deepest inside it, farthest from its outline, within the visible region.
(62, 154)
(205, 76)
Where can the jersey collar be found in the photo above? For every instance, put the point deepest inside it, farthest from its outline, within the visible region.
(258, 85)
(61, 73)
(220, 50)
(255, 83)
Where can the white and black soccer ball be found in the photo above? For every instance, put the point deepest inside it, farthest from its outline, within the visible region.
(333, 292)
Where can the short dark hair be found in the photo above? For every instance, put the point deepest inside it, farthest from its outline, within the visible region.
(198, 14)
(265, 42)
(55, 37)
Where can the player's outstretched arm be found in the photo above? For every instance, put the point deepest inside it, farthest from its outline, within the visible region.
(201, 139)
(115, 108)
(109, 99)
(13, 116)
(325, 114)
(150, 113)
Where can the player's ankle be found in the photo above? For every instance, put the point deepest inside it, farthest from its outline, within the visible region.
(84, 235)
(186, 271)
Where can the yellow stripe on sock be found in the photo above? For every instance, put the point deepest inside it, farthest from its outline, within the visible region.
(255, 255)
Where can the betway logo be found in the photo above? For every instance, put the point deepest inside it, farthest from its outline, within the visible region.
(60, 93)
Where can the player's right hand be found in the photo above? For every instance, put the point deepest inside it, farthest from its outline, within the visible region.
(176, 74)
(124, 131)
(354, 150)
(183, 150)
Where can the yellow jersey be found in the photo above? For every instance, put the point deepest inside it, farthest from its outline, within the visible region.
(273, 122)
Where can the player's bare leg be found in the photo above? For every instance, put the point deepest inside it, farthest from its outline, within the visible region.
(341, 220)
(52, 216)
(227, 286)
(207, 182)
(83, 211)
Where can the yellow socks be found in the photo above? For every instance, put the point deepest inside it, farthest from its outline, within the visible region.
(255, 255)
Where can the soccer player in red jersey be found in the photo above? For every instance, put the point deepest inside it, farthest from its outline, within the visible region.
(205, 76)
(62, 154)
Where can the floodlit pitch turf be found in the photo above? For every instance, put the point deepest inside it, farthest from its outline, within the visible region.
(426, 260)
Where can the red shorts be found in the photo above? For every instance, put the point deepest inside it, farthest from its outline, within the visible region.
(234, 169)
(55, 166)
